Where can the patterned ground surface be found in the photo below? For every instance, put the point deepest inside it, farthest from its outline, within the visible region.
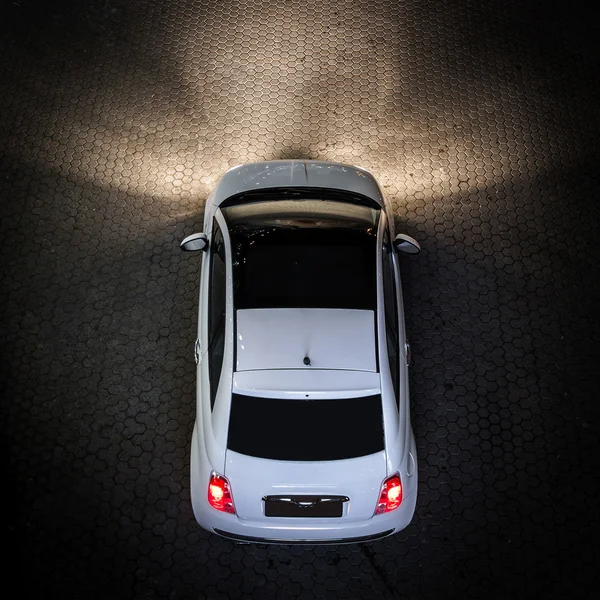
(480, 120)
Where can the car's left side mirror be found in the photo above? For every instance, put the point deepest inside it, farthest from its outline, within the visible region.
(194, 242)
(405, 243)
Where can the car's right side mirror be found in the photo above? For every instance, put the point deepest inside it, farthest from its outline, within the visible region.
(405, 243)
(194, 242)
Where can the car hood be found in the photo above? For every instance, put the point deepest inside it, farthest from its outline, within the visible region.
(296, 173)
(253, 478)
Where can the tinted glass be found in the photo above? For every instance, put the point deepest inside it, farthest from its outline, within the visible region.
(306, 212)
(306, 430)
(304, 268)
(307, 253)
(391, 313)
(216, 310)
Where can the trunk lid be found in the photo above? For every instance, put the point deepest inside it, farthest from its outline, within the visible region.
(253, 478)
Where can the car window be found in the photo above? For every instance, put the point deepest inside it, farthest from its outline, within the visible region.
(305, 430)
(216, 310)
(303, 254)
(304, 268)
(391, 312)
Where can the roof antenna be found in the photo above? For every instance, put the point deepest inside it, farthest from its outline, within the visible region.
(306, 361)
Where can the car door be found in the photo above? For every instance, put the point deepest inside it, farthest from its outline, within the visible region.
(394, 326)
(396, 333)
(214, 310)
(215, 329)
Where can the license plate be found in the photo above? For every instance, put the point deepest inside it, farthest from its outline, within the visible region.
(304, 506)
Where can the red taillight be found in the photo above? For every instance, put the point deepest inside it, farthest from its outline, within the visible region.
(390, 497)
(219, 494)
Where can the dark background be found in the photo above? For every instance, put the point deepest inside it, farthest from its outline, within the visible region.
(481, 122)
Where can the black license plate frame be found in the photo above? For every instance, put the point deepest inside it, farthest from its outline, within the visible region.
(305, 506)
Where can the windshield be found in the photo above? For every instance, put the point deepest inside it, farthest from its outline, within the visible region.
(303, 253)
(305, 430)
(301, 213)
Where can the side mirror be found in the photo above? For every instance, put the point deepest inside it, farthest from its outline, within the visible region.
(405, 243)
(194, 242)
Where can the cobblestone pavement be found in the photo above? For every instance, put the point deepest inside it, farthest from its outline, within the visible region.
(480, 119)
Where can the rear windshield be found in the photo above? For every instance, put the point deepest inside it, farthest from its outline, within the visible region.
(305, 430)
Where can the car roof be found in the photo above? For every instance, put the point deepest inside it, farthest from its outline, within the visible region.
(307, 339)
(297, 174)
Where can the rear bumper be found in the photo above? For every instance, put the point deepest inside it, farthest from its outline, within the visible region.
(307, 531)
(276, 530)
(260, 540)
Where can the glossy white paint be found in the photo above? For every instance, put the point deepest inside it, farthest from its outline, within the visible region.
(316, 384)
(214, 425)
(248, 474)
(358, 478)
(194, 242)
(406, 244)
(296, 173)
(282, 338)
(288, 530)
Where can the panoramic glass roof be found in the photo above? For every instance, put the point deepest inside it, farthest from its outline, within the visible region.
(303, 254)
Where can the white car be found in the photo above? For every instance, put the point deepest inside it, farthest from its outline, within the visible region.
(302, 430)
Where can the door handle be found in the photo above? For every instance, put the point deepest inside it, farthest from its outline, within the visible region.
(197, 354)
